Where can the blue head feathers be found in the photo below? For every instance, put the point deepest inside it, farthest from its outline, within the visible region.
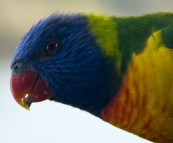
(78, 72)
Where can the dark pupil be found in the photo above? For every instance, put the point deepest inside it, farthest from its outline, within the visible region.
(51, 47)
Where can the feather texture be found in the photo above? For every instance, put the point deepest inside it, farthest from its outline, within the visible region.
(144, 103)
(117, 68)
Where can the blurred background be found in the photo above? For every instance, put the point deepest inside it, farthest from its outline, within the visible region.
(49, 122)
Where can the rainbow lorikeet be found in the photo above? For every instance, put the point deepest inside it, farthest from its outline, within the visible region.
(119, 69)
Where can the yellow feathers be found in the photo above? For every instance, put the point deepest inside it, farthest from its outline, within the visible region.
(144, 104)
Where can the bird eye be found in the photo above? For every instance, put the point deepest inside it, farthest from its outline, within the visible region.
(52, 47)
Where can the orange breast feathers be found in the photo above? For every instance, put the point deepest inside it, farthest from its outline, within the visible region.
(144, 103)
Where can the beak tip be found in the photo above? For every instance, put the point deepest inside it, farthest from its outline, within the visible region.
(29, 100)
(25, 106)
(26, 102)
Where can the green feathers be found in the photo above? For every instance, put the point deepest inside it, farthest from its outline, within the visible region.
(119, 37)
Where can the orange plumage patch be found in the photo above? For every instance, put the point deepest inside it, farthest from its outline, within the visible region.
(144, 102)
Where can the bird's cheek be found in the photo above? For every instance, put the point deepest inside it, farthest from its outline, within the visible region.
(28, 87)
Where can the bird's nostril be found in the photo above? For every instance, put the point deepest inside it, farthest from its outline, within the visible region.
(16, 67)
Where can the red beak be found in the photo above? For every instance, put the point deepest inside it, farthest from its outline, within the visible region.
(28, 87)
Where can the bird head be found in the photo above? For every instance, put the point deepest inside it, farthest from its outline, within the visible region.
(59, 59)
